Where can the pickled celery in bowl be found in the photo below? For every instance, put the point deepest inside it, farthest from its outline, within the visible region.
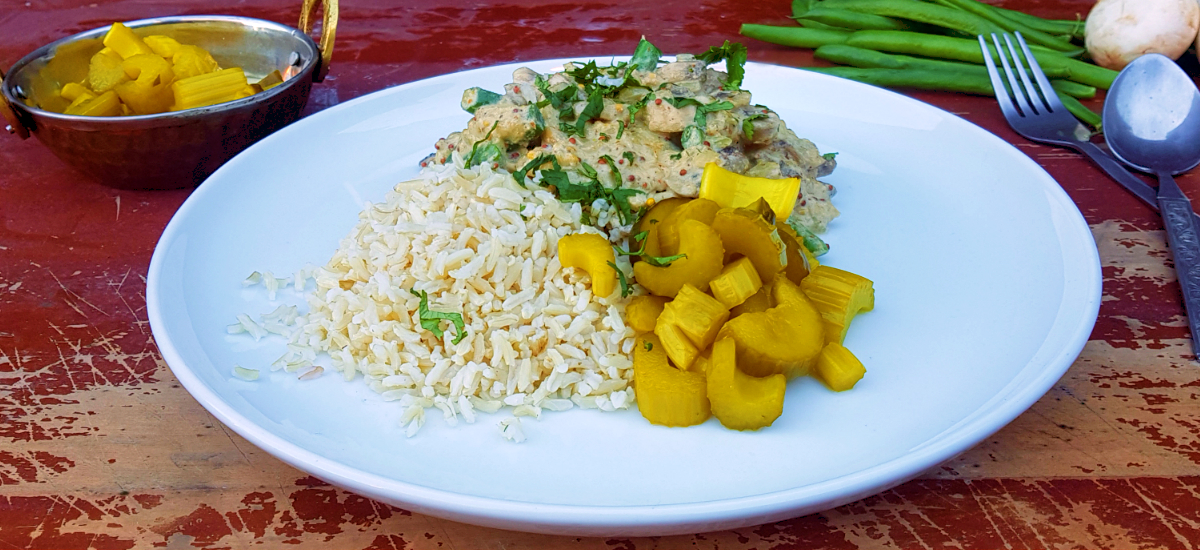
(604, 237)
(134, 75)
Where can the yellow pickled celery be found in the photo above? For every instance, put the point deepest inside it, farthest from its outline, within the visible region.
(73, 108)
(123, 40)
(666, 395)
(738, 400)
(148, 69)
(746, 233)
(73, 90)
(702, 264)
(208, 89)
(799, 260)
(245, 92)
(697, 314)
(839, 295)
(733, 190)
(676, 344)
(837, 368)
(270, 81)
(104, 73)
(651, 222)
(670, 228)
(760, 301)
(593, 254)
(642, 312)
(105, 104)
(112, 53)
(163, 46)
(190, 61)
(737, 282)
(144, 99)
(784, 339)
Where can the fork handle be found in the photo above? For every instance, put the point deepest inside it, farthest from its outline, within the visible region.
(1183, 237)
(1118, 172)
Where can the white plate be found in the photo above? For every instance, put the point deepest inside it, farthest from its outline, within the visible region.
(987, 283)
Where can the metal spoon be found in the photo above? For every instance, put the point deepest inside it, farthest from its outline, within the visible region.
(1152, 123)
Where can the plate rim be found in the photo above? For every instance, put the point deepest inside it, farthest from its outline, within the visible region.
(665, 519)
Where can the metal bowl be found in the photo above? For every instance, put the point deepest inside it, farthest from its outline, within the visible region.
(176, 149)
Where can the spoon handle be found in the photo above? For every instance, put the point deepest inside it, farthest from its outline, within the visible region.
(1184, 240)
(1123, 176)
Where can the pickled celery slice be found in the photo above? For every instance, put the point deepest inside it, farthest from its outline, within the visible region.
(144, 99)
(123, 40)
(148, 69)
(744, 232)
(738, 400)
(838, 295)
(190, 61)
(72, 91)
(163, 46)
(678, 347)
(666, 395)
(737, 282)
(593, 254)
(837, 368)
(733, 190)
(695, 313)
(643, 311)
(104, 73)
(105, 104)
(208, 89)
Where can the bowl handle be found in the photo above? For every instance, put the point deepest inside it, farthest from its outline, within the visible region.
(328, 29)
(14, 123)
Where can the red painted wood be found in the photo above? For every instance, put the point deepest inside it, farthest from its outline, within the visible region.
(100, 447)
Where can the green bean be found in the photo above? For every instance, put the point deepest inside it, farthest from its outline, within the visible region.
(1081, 112)
(1073, 29)
(799, 37)
(961, 49)
(853, 19)
(923, 79)
(1032, 35)
(800, 7)
(936, 80)
(871, 59)
(812, 24)
(914, 10)
(1074, 89)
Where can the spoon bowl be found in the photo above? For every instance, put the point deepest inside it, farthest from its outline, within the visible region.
(1152, 116)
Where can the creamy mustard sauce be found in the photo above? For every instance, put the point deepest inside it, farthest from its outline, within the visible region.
(661, 150)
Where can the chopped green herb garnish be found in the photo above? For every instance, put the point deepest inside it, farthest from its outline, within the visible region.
(829, 156)
(628, 155)
(620, 128)
(646, 56)
(648, 345)
(432, 320)
(702, 109)
(734, 55)
(541, 159)
(656, 261)
(595, 105)
(612, 166)
(748, 124)
(488, 153)
(626, 288)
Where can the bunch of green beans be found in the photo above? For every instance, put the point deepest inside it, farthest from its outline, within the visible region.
(931, 44)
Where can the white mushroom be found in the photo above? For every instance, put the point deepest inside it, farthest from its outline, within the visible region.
(1119, 31)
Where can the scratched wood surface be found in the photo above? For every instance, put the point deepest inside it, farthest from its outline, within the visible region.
(101, 448)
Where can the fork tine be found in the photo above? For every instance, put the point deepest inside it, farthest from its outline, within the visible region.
(1006, 104)
(1043, 82)
(1015, 86)
(1035, 98)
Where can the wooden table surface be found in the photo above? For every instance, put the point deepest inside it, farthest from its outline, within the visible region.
(101, 447)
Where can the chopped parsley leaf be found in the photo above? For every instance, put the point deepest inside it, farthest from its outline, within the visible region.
(626, 288)
(648, 345)
(432, 320)
(734, 55)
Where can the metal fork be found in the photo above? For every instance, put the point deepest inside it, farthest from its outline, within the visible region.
(1039, 115)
